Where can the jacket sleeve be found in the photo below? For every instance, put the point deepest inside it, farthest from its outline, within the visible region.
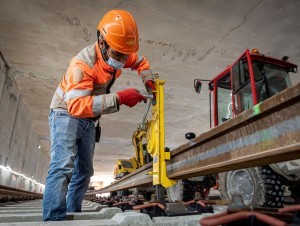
(141, 65)
(80, 102)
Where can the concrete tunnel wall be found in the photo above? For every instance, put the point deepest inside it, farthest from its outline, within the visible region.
(19, 144)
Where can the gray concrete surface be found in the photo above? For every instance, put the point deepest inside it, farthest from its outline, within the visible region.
(106, 216)
(18, 138)
(183, 40)
(178, 221)
(132, 218)
(108, 222)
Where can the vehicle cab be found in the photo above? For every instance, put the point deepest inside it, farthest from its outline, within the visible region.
(251, 79)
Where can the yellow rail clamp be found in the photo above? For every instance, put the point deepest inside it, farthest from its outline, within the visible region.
(156, 139)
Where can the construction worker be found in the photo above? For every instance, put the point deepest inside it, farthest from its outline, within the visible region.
(81, 98)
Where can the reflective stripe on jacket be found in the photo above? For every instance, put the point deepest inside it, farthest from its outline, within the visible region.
(83, 90)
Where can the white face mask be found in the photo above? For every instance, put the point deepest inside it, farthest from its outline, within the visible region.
(117, 65)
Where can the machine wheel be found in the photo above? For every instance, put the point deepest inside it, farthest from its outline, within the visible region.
(175, 193)
(183, 190)
(121, 193)
(259, 186)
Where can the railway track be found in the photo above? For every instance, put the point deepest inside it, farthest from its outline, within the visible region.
(8, 194)
(267, 133)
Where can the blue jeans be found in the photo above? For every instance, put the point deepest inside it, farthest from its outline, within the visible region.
(71, 165)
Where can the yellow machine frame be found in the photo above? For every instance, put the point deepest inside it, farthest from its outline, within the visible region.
(137, 140)
(156, 139)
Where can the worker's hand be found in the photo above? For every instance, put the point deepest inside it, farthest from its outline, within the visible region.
(130, 97)
(150, 87)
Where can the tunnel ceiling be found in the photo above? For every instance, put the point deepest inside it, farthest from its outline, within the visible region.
(183, 40)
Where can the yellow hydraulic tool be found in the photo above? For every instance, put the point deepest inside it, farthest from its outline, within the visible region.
(137, 140)
(155, 135)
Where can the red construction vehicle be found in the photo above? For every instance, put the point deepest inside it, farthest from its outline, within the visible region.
(250, 80)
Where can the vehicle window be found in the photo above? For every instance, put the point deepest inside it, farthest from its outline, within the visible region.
(224, 99)
(269, 80)
(242, 87)
(126, 164)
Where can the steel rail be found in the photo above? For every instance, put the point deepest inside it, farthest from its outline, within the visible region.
(8, 194)
(267, 133)
(5, 190)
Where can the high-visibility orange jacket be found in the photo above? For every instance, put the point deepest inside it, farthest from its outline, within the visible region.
(83, 90)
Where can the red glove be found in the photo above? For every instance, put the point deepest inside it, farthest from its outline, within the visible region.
(150, 87)
(130, 97)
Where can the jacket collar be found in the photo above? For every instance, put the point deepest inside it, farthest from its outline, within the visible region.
(101, 61)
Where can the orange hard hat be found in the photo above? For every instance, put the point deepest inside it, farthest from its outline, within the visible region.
(119, 30)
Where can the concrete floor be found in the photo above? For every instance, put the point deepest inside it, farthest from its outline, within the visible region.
(30, 213)
(183, 40)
